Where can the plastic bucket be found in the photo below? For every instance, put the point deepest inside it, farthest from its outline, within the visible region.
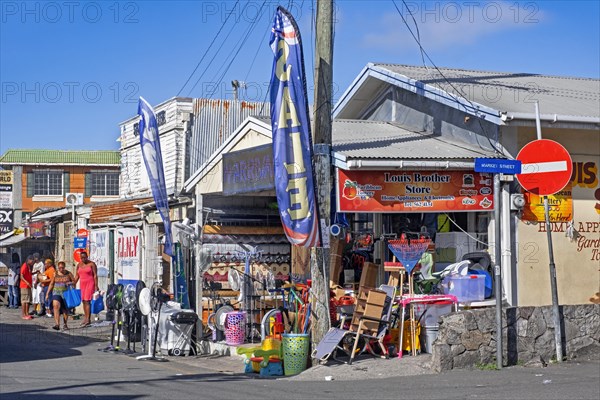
(430, 333)
(295, 352)
(235, 328)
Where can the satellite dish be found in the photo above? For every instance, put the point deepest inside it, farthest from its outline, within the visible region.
(234, 279)
(144, 301)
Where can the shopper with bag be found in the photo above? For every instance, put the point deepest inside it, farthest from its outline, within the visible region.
(59, 284)
(44, 280)
(87, 272)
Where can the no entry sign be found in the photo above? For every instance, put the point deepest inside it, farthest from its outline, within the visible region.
(546, 167)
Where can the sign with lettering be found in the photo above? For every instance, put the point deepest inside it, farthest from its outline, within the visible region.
(560, 206)
(6, 177)
(128, 253)
(99, 250)
(248, 171)
(497, 166)
(79, 243)
(6, 220)
(413, 191)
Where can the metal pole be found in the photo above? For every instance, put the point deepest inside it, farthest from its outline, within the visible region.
(553, 286)
(498, 270)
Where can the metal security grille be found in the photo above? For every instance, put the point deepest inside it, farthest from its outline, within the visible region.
(105, 184)
(48, 183)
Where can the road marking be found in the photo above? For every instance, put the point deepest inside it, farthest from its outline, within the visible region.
(536, 168)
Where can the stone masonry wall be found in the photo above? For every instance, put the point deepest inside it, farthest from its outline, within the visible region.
(468, 338)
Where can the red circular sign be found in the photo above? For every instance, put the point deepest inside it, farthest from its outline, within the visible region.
(77, 254)
(81, 233)
(546, 167)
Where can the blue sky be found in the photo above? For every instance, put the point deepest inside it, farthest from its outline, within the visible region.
(72, 71)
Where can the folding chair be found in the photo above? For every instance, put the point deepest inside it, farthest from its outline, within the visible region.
(364, 328)
(373, 328)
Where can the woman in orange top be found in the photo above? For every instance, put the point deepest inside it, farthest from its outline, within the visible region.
(44, 280)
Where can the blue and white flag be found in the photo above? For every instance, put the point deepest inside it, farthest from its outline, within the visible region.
(150, 142)
(292, 142)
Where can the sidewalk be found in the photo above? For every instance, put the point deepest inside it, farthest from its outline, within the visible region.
(365, 367)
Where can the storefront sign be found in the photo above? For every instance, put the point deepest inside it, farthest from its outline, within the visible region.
(6, 178)
(248, 171)
(6, 220)
(79, 243)
(99, 250)
(37, 229)
(560, 206)
(6, 199)
(414, 191)
(128, 254)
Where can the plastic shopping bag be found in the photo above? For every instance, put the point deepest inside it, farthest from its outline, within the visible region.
(72, 297)
(97, 304)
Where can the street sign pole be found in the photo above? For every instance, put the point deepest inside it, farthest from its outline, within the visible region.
(498, 270)
(553, 286)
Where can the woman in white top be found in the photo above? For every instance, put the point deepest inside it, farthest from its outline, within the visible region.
(36, 290)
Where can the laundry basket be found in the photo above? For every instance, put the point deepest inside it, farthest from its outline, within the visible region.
(235, 328)
(295, 352)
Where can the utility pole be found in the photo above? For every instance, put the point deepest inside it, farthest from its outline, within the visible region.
(319, 265)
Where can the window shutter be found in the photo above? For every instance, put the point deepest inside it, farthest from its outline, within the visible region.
(88, 185)
(30, 184)
(66, 183)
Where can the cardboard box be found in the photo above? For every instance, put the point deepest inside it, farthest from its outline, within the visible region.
(368, 278)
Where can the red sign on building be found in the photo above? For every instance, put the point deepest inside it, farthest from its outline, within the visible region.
(414, 191)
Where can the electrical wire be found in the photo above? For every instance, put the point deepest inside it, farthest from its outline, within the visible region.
(214, 57)
(207, 50)
(423, 51)
(236, 51)
(465, 232)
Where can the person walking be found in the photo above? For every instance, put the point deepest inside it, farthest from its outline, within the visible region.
(36, 289)
(88, 273)
(44, 281)
(58, 285)
(14, 271)
(26, 284)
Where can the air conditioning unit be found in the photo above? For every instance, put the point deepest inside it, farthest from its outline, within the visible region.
(74, 199)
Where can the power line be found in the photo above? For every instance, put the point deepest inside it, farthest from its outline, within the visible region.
(417, 40)
(207, 50)
(214, 57)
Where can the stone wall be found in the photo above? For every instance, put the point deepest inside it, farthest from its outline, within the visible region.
(468, 338)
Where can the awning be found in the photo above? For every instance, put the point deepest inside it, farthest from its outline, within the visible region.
(47, 215)
(245, 239)
(10, 239)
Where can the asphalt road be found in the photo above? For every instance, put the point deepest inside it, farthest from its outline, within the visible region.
(39, 363)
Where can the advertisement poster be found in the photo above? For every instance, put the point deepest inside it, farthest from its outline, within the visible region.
(98, 242)
(560, 206)
(414, 191)
(127, 254)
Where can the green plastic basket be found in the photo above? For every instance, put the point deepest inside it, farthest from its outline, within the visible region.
(295, 352)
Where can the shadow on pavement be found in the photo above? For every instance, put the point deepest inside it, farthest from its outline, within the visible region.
(50, 344)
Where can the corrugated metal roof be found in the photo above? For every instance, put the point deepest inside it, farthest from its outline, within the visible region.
(384, 140)
(214, 122)
(61, 157)
(512, 92)
(118, 210)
